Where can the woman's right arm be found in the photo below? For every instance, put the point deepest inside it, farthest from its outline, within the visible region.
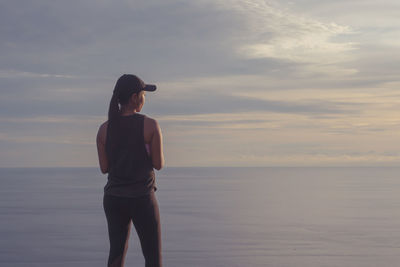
(101, 147)
(156, 145)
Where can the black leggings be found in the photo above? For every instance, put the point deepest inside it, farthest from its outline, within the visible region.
(144, 213)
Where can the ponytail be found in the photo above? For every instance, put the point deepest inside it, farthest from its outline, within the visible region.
(113, 110)
(113, 125)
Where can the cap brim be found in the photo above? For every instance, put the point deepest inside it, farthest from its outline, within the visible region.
(150, 87)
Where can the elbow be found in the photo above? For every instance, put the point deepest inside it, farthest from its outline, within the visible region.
(104, 170)
(159, 165)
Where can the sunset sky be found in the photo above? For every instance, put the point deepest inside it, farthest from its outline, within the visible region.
(240, 83)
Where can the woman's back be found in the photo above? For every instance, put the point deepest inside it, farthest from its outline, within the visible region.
(130, 172)
(152, 137)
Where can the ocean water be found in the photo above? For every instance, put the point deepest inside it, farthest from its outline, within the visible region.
(228, 217)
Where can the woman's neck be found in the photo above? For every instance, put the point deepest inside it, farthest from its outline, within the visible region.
(127, 111)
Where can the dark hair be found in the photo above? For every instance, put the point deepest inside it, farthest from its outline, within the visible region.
(120, 96)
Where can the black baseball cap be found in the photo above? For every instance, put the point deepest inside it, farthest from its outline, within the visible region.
(129, 84)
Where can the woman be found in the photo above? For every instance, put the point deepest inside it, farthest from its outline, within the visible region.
(129, 146)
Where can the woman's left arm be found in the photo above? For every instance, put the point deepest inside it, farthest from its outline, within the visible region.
(101, 147)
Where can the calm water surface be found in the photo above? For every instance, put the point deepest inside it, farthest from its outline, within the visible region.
(311, 217)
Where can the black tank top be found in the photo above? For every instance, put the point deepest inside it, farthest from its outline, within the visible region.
(131, 173)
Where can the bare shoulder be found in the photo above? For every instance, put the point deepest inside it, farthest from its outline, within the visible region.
(101, 134)
(104, 125)
(150, 123)
(150, 126)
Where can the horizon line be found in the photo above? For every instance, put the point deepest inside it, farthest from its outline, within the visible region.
(222, 166)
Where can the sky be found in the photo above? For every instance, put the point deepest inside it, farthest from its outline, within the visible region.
(239, 83)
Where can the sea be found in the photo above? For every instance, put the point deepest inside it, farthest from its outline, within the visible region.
(210, 217)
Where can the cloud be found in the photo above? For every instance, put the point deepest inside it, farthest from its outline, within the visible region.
(63, 119)
(200, 103)
(163, 39)
(24, 74)
(160, 39)
(272, 32)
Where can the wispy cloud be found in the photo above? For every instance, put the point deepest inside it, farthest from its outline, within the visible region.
(62, 119)
(44, 140)
(274, 32)
(25, 74)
